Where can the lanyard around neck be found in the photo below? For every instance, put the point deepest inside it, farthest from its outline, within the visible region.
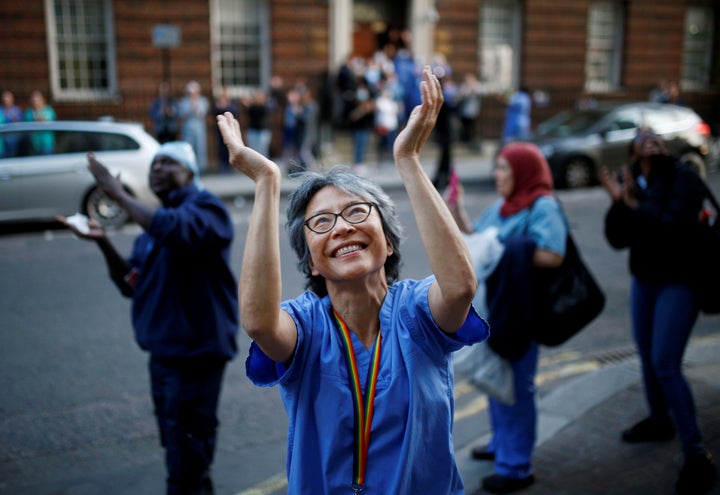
(363, 408)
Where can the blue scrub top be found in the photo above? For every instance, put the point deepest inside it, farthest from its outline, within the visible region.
(544, 222)
(411, 448)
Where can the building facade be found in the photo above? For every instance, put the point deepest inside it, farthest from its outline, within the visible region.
(97, 58)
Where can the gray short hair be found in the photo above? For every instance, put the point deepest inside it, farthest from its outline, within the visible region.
(341, 178)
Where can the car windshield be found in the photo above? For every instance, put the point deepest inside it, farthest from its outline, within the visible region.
(569, 122)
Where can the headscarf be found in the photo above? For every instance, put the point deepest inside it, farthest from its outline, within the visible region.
(181, 152)
(531, 176)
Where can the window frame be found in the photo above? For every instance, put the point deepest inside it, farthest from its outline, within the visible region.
(500, 51)
(263, 56)
(82, 94)
(697, 79)
(612, 79)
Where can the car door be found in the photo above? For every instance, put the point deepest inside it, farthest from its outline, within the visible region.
(53, 184)
(619, 130)
(12, 143)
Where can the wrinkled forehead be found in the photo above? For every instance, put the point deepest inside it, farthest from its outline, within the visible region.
(330, 198)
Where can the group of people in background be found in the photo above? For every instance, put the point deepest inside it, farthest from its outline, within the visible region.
(370, 97)
(37, 110)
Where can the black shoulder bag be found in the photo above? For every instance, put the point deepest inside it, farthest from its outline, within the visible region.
(708, 270)
(565, 299)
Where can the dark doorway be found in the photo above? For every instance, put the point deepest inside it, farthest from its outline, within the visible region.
(376, 23)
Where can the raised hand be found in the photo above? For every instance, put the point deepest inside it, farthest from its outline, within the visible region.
(111, 186)
(243, 158)
(412, 138)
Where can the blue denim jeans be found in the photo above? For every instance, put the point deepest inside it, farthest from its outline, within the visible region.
(361, 137)
(663, 316)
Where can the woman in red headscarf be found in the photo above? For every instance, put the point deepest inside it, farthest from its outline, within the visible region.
(532, 229)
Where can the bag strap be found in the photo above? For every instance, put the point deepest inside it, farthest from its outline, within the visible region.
(712, 198)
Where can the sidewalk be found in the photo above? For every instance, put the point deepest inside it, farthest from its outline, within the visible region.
(579, 451)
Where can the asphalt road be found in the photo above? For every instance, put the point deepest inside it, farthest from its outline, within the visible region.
(75, 413)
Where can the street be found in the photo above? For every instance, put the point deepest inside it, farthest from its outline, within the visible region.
(76, 415)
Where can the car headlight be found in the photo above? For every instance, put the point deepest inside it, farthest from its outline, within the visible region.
(547, 150)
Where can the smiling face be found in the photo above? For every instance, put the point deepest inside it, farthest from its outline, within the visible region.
(348, 251)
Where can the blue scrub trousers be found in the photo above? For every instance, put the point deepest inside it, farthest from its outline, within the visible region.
(515, 427)
(185, 395)
(663, 316)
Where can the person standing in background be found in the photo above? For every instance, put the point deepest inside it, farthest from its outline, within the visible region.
(223, 103)
(444, 128)
(39, 111)
(9, 110)
(163, 113)
(9, 113)
(362, 122)
(469, 97)
(192, 112)
(259, 133)
(309, 130)
(517, 116)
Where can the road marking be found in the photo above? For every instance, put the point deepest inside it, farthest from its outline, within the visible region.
(480, 403)
(272, 484)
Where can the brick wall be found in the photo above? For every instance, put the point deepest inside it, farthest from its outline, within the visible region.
(553, 52)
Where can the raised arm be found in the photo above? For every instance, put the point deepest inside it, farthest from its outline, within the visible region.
(454, 288)
(260, 286)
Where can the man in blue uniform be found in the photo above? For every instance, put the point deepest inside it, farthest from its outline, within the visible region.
(184, 310)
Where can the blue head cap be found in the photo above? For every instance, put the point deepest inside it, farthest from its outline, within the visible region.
(181, 152)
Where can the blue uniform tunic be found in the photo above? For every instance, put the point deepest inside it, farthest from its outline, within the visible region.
(411, 449)
(515, 426)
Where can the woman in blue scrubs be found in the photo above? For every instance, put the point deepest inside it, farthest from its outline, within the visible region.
(362, 359)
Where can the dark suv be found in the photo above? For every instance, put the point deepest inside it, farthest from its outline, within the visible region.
(577, 142)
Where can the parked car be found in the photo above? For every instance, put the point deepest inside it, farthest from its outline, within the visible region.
(577, 143)
(36, 186)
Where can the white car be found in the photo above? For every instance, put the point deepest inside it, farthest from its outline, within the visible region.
(43, 169)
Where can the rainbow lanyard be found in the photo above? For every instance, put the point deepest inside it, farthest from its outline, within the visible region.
(363, 408)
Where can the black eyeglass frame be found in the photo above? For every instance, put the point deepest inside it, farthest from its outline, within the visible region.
(370, 206)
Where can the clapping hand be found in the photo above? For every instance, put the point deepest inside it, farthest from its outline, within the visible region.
(412, 138)
(111, 186)
(242, 157)
(621, 186)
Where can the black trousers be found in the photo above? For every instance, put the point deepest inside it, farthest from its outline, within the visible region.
(185, 394)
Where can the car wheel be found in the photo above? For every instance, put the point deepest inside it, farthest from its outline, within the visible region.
(696, 161)
(578, 173)
(104, 210)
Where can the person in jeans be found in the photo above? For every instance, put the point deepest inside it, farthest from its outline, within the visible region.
(655, 211)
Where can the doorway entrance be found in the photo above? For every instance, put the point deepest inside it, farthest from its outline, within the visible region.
(376, 23)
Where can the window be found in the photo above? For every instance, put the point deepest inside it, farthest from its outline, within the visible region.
(500, 45)
(697, 48)
(604, 47)
(240, 45)
(82, 49)
(32, 143)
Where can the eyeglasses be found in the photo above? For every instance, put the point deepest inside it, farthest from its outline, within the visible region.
(353, 213)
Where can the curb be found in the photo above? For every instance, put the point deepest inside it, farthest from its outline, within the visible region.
(569, 402)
